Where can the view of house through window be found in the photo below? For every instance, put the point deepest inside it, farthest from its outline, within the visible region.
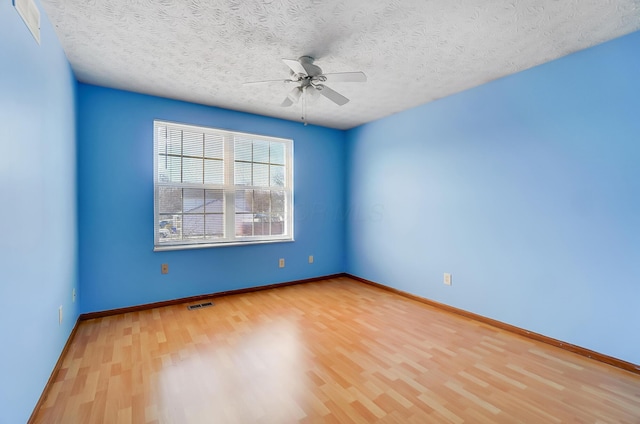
(215, 187)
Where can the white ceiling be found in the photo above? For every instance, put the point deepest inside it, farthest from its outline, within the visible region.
(413, 51)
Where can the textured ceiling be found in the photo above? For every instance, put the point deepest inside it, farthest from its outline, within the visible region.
(413, 51)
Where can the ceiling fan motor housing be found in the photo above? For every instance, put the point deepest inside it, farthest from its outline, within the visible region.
(307, 64)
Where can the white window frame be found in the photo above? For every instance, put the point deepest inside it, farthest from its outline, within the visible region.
(229, 188)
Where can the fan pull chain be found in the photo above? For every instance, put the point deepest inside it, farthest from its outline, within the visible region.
(304, 105)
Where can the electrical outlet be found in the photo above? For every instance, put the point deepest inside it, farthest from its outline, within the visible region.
(447, 279)
(164, 268)
(73, 295)
(60, 315)
(281, 263)
(310, 259)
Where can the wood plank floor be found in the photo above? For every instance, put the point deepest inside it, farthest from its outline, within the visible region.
(334, 351)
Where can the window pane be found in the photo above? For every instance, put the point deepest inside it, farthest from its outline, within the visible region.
(213, 146)
(167, 229)
(277, 153)
(192, 170)
(244, 201)
(277, 225)
(163, 169)
(214, 201)
(278, 202)
(276, 177)
(260, 175)
(174, 143)
(244, 224)
(214, 225)
(193, 226)
(261, 226)
(261, 151)
(193, 199)
(192, 144)
(243, 149)
(262, 202)
(213, 172)
(169, 200)
(170, 169)
(161, 134)
(242, 173)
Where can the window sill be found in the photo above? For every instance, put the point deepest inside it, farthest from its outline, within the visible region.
(214, 245)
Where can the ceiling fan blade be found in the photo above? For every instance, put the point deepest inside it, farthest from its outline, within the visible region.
(292, 97)
(265, 81)
(332, 95)
(346, 77)
(295, 66)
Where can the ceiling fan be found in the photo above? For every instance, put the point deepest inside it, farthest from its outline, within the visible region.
(309, 80)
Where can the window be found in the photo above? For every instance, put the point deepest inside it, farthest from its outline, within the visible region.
(214, 187)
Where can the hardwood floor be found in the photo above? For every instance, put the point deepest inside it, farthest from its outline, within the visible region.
(334, 351)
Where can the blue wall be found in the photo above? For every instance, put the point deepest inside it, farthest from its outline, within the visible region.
(38, 242)
(526, 189)
(115, 181)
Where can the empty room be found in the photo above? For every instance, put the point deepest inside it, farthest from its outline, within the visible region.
(279, 211)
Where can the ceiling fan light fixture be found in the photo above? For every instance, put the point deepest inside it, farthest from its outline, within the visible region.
(295, 94)
(292, 97)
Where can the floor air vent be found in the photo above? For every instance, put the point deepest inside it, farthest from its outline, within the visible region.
(199, 305)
